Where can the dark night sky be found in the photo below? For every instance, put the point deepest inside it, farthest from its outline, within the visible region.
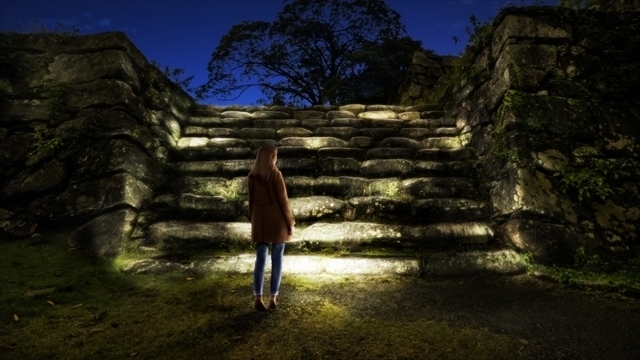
(184, 33)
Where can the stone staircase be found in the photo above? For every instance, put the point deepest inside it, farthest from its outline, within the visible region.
(375, 189)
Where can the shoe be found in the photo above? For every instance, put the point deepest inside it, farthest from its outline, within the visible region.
(273, 305)
(259, 305)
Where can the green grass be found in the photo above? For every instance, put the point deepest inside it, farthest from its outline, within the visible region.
(71, 306)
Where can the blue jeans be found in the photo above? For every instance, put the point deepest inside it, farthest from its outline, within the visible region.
(277, 252)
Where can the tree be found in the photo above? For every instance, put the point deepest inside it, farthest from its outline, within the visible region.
(315, 51)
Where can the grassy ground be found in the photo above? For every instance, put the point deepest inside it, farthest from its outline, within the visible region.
(58, 303)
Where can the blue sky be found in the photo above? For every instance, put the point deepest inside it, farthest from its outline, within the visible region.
(184, 33)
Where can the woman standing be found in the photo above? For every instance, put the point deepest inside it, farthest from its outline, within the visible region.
(271, 221)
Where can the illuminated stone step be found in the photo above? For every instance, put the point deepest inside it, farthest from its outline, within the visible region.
(185, 235)
(203, 142)
(313, 142)
(445, 143)
(294, 132)
(343, 187)
(291, 264)
(225, 205)
(459, 263)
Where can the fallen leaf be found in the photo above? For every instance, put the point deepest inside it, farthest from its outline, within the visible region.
(190, 278)
(50, 303)
(71, 249)
(95, 331)
(133, 354)
(15, 318)
(77, 306)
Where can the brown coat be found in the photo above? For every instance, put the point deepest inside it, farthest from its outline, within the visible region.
(271, 215)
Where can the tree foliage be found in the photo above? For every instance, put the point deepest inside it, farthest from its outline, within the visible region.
(316, 52)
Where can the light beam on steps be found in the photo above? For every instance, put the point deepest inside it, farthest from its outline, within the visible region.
(292, 265)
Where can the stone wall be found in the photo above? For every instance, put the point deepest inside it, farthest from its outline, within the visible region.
(86, 125)
(553, 100)
(425, 71)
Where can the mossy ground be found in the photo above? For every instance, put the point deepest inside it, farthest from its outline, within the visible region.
(70, 306)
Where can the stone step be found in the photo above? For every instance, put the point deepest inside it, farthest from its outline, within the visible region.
(192, 144)
(424, 133)
(291, 264)
(445, 154)
(329, 166)
(308, 209)
(342, 187)
(188, 235)
(462, 263)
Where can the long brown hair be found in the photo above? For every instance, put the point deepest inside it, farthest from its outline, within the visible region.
(265, 162)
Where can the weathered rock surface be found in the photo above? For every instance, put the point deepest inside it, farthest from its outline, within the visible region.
(315, 207)
(473, 262)
(107, 234)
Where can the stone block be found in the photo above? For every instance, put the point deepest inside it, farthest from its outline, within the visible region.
(400, 142)
(343, 186)
(378, 107)
(378, 133)
(92, 197)
(386, 167)
(353, 108)
(523, 26)
(523, 190)
(26, 110)
(313, 142)
(313, 124)
(233, 114)
(330, 115)
(108, 93)
(276, 124)
(339, 166)
(341, 152)
(315, 207)
(294, 132)
(35, 180)
(174, 235)
(308, 114)
(362, 142)
(296, 166)
(270, 114)
(548, 244)
(371, 208)
(435, 187)
(447, 210)
(295, 152)
(255, 133)
(106, 234)
(389, 153)
(204, 207)
(113, 156)
(378, 115)
(497, 262)
(338, 132)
